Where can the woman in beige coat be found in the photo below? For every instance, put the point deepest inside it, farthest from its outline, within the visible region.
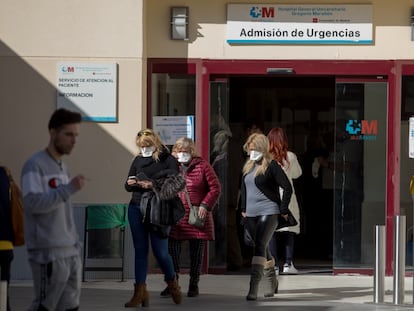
(289, 162)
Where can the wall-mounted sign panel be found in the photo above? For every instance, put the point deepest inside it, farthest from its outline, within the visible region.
(299, 24)
(170, 128)
(411, 138)
(90, 89)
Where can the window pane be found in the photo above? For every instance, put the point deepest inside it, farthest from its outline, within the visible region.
(358, 158)
(173, 94)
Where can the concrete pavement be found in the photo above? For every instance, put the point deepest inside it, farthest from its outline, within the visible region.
(225, 292)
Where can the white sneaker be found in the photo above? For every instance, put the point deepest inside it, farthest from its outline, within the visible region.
(289, 269)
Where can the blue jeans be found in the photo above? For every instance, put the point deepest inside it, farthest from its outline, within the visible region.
(141, 234)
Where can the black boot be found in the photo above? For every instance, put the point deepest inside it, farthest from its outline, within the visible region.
(193, 291)
(255, 276)
(193, 285)
(166, 292)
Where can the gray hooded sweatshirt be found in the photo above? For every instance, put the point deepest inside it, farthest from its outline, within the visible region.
(50, 230)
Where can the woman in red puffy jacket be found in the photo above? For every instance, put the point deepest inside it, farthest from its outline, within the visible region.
(203, 188)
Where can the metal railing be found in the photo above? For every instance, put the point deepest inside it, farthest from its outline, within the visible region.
(399, 261)
(379, 269)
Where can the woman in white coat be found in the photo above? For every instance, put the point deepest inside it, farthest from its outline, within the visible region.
(279, 148)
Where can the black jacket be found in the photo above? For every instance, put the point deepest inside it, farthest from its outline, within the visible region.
(269, 184)
(152, 169)
(6, 229)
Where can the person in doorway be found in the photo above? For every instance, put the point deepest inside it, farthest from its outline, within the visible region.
(226, 246)
(202, 189)
(154, 162)
(261, 203)
(245, 250)
(53, 245)
(279, 148)
(6, 230)
(318, 140)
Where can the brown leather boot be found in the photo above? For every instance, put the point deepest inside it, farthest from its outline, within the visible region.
(140, 297)
(175, 291)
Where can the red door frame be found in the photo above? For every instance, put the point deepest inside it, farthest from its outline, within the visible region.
(205, 69)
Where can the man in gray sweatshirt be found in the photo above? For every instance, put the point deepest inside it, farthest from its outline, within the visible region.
(52, 241)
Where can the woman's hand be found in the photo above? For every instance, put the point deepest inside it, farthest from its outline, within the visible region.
(146, 184)
(202, 212)
(132, 182)
(285, 216)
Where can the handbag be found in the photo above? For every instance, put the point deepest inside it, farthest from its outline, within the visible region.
(289, 222)
(161, 212)
(193, 218)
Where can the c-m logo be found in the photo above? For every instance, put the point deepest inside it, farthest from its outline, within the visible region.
(362, 130)
(68, 69)
(262, 12)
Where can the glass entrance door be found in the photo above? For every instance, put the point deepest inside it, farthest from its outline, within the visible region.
(356, 165)
(219, 139)
(352, 171)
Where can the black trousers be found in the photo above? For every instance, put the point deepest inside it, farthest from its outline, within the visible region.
(281, 246)
(261, 228)
(196, 257)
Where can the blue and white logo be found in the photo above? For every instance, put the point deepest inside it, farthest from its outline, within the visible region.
(353, 127)
(255, 12)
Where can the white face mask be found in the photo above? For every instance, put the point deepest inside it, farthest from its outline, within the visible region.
(184, 157)
(147, 151)
(255, 155)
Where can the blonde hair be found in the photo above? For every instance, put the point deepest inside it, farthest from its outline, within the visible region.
(261, 144)
(187, 143)
(148, 137)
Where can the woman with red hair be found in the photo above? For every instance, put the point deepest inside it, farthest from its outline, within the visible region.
(279, 148)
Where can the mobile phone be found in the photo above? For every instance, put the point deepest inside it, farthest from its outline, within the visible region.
(132, 177)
